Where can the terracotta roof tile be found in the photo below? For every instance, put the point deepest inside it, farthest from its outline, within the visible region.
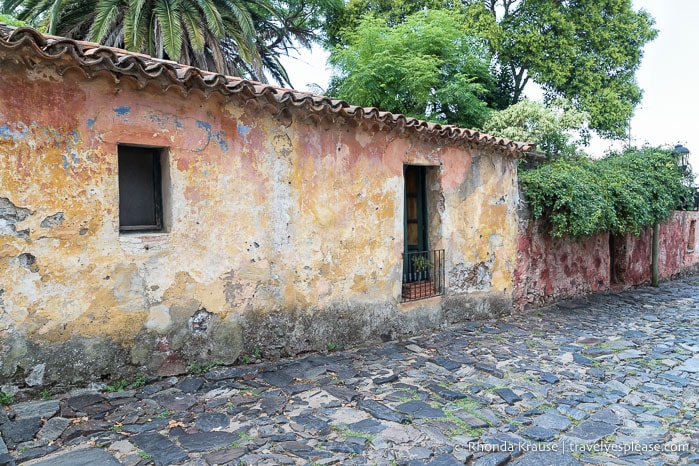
(92, 58)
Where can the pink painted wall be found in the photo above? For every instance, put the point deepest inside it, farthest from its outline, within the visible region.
(550, 269)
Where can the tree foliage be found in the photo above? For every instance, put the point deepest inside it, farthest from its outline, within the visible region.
(12, 21)
(587, 51)
(622, 193)
(426, 66)
(236, 37)
(558, 129)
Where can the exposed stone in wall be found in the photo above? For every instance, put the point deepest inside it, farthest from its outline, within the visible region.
(52, 220)
(458, 308)
(10, 216)
(467, 278)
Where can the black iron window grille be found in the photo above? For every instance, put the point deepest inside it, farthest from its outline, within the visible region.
(423, 274)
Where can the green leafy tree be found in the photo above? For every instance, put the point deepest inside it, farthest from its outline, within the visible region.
(236, 37)
(587, 51)
(557, 129)
(622, 193)
(425, 67)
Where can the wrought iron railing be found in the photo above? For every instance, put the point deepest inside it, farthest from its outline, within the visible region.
(423, 274)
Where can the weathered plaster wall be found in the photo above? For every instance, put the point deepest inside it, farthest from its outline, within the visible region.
(555, 268)
(677, 250)
(550, 269)
(281, 235)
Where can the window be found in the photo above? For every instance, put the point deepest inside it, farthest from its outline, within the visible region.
(423, 269)
(140, 189)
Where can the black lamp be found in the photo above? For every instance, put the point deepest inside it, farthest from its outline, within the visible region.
(683, 154)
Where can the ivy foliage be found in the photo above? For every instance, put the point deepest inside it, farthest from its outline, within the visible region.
(621, 193)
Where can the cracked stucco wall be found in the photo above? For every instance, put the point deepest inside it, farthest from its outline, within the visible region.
(281, 235)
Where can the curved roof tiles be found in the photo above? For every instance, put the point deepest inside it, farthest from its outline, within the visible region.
(92, 58)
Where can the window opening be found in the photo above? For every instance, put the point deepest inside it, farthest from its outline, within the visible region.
(423, 270)
(140, 189)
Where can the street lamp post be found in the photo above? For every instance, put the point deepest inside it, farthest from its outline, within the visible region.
(682, 154)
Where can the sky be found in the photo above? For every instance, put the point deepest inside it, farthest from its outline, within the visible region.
(669, 77)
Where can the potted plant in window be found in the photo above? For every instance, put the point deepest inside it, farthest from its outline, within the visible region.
(422, 266)
(423, 286)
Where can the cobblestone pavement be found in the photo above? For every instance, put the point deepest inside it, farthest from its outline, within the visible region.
(612, 379)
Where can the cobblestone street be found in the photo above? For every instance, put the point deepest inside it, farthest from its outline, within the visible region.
(610, 379)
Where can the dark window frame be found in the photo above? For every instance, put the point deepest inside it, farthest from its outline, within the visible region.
(154, 204)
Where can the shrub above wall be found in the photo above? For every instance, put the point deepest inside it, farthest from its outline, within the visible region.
(621, 193)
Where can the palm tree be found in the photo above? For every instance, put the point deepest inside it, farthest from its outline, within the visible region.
(233, 37)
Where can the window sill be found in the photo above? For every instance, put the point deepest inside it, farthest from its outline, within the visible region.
(140, 240)
(424, 302)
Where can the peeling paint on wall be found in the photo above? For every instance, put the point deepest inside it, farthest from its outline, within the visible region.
(218, 136)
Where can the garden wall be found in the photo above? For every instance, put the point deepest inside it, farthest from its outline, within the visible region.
(550, 269)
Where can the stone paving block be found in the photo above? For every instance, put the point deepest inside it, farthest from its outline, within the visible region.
(573, 413)
(278, 378)
(225, 456)
(446, 363)
(592, 431)
(508, 395)
(400, 434)
(7, 460)
(549, 378)
(80, 402)
(419, 410)
(552, 421)
(381, 411)
(38, 452)
(445, 393)
(546, 458)
(163, 451)
(27, 410)
(190, 384)
(21, 430)
(539, 434)
(445, 460)
(370, 426)
(606, 415)
(152, 425)
(212, 421)
(618, 386)
(83, 457)
(175, 400)
(385, 379)
(206, 441)
(53, 428)
(691, 365)
(312, 423)
(493, 459)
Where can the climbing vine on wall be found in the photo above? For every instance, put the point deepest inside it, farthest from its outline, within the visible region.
(621, 193)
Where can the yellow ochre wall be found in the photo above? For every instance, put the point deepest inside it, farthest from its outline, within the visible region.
(283, 235)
